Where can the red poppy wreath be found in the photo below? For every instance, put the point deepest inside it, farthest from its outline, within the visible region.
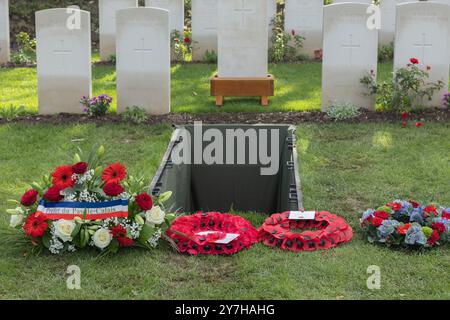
(329, 231)
(212, 233)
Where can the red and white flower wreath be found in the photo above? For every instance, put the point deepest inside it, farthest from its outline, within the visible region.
(330, 231)
(212, 233)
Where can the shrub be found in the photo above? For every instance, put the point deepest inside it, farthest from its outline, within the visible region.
(406, 90)
(386, 52)
(343, 111)
(12, 112)
(97, 106)
(181, 46)
(26, 50)
(284, 45)
(112, 59)
(210, 56)
(135, 115)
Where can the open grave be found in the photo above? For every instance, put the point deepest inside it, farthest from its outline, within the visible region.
(245, 168)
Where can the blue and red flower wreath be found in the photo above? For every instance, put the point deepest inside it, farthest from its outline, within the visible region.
(330, 230)
(201, 233)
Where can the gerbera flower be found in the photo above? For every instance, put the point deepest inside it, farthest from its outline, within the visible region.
(35, 226)
(115, 173)
(62, 177)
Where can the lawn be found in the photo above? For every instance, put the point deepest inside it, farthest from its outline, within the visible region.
(298, 87)
(344, 169)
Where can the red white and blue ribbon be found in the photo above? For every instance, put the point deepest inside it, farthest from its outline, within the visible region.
(90, 210)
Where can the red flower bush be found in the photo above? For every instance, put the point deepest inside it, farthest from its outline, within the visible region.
(144, 201)
(29, 198)
(115, 173)
(80, 168)
(113, 189)
(53, 194)
(35, 226)
(62, 177)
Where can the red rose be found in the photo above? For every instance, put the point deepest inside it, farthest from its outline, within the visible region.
(403, 229)
(293, 32)
(414, 61)
(434, 238)
(114, 173)
(440, 227)
(62, 177)
(382, 215)
(419, 124)
(53, 194)
(80, 168)
(120, 233)
(144, 201)
(187, 40)
(35, 226)
(377, 221)
(405, 115)
(404, 124)
(395, 206)
(113, 189)
(29, 198)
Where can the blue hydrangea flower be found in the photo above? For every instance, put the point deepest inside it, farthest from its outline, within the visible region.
(386, 229)
(415, 235)
(417, 215)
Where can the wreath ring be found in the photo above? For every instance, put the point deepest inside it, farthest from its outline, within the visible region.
(330, 230)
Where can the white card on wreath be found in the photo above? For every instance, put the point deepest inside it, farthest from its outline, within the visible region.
(228, 238)
(302, 215)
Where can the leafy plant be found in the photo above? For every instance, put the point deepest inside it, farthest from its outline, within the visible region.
(284, 45)
(12, 112)
(135, 115)
(386, 52)
(181, 46)
(97, 106)
(26, 50)
(210, 56)
(446, 100)
(112, 59)
(343, 111)
(407, 89)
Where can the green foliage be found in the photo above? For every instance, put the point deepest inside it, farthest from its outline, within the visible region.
(343, 111)
(407, 90)
(210, 56)
(112, 59)
(12, 112)
(181, 45)
(135, 115)
(284, 45)
(26, 50)
(386, 52)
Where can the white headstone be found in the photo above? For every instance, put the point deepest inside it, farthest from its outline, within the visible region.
(176, 12)
(107, 24)
(422, 32)
(305, 17)
(271, 14)
(243, 42)
(143, 59)
(353, 1)
(204, 28)
(63, 59)
(4, 31)
(349, 52)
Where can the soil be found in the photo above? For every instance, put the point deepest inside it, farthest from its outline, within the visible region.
(433, 115)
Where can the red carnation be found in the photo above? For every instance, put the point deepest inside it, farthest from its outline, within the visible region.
(29, 198)
(144, 201)
(62, 177)
(414, 61)
(120, 233)
(80, 168)
(395, 206)
(440, 227)
(113, 189)
(376, 221)
(114, 173)
(420, 124)
(35, 226)
(382, 215)
(435, 236)
(53, 194)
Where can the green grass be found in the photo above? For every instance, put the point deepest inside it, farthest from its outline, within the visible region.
(344, 169)
(298, 88)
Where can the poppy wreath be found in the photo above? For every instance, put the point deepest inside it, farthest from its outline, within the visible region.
(201, 233)
(407, 224)
(330, 230)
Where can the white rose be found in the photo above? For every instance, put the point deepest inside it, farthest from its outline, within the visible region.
(155, 216)
(102, 238)
(16, 220)
(64, 229)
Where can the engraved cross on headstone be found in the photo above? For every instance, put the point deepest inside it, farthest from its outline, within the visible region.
(243, 10)
(423, 46)
(63, 53)
(350, 46)
(143, 50)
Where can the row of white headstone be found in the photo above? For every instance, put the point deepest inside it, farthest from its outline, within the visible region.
(143, 52)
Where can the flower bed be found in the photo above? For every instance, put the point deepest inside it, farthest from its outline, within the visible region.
(407, 224)
(86, 205)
